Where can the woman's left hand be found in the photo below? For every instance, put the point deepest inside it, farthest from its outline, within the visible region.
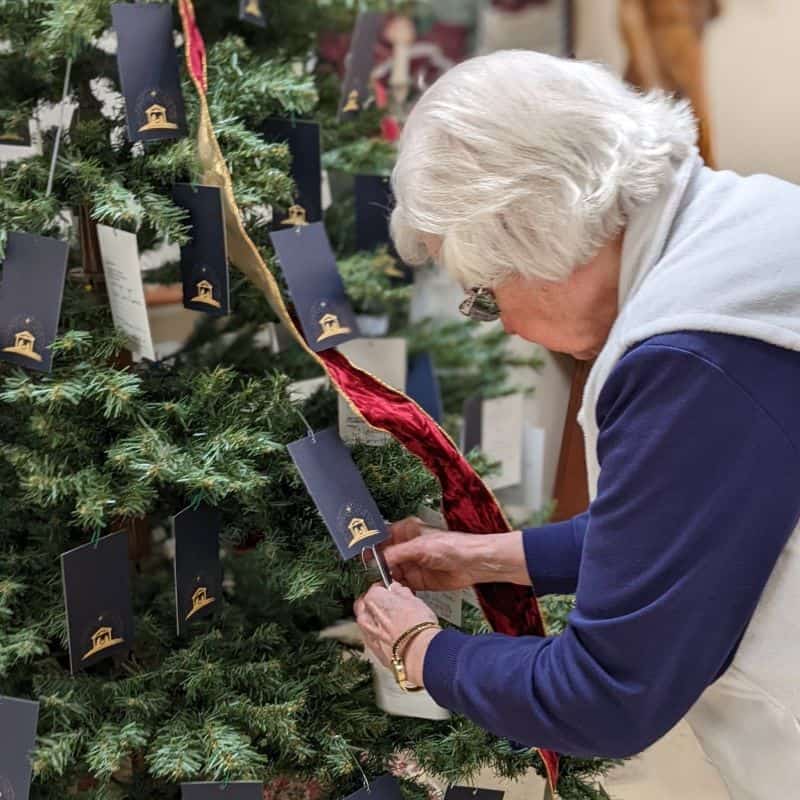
(383, 614)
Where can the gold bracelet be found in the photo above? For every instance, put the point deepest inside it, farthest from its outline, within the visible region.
(400, 644)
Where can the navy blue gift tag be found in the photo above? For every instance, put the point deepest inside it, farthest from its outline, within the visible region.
(148, 71)
(302, 139)
(253, 11)
(204, 259)
(472, 426)
(373, 207)
(471, 793)
(198, 572)
(422, 385)
(386, 787)
(97, 597)
(374, 203)
(309, 266)
(339, 492)
(30, 299)
(235, 790)
(360, 59)
(18, 720)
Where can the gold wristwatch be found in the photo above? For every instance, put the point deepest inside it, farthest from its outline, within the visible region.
(400, 644)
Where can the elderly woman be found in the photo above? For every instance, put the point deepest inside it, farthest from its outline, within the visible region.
(578, 212)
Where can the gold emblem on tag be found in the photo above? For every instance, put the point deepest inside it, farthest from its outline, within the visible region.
(359, 530)
(295, 216)
(331, 327)
(253, 8)
(200, 599)
(352, 102)
(157, 119)
(102, 639)
(23, 346)
(205, 294)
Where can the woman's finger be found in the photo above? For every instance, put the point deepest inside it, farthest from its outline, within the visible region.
(414, 552)
(405, 529)
(358, 606)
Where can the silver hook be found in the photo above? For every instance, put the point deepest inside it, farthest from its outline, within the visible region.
(383, 569)
(310, 430)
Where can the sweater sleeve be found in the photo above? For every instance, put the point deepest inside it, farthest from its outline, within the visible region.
(553, 555)
(697, 497)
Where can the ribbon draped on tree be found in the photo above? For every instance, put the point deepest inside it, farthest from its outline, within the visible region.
(467, 504)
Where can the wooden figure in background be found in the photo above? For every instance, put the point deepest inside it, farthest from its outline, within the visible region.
(664, 41)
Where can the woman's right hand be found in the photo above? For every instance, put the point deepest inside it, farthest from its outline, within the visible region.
(425, 558)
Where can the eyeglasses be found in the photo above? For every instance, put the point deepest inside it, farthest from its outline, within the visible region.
(480, 305)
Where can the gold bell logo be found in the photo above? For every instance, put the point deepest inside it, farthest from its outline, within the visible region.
(205, 294)
(295, 216)
(331, 327)
(359, 530)
(102, 639)
(157, 119)
(253, 8)
(200, 599)
(23, 346)
(352, 102)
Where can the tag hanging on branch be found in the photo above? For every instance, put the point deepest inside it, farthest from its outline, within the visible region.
(198, 572)
(252, 11)
(18, 721)
(34, 271)
(467, 503)
(303, 141)
(204, 258)
(309, 265)
(360, 59)
(123, 282)
(97, 599)
(339, 492)
(148, 71)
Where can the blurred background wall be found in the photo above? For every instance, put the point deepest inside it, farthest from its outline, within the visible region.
(753, 69)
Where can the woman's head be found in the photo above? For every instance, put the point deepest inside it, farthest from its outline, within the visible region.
(518, 165)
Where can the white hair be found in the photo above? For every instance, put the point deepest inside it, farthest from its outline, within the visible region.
(526, 164)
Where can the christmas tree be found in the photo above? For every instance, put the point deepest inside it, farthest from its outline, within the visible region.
(102, 444)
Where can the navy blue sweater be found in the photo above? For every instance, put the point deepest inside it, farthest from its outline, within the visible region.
(699, 448)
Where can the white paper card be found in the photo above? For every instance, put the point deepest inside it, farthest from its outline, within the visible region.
(529, 495)
(302, 390)
(120, 252)
(393, 700)
(386, 359)
(446, 605)
(325, 190)
(431, 517)
(471, 598)
(501, 437)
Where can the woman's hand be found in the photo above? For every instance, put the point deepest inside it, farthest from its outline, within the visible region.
(384, 614)
(424, 558)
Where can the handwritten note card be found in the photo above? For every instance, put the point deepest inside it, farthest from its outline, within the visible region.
(120, 251)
